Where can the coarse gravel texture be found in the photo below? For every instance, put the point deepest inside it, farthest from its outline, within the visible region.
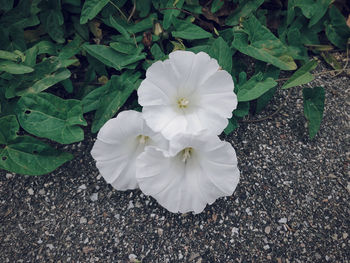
(291, 205)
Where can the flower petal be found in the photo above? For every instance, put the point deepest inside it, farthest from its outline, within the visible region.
(192, 69)
(217, 94)
(184, 185)
(161, 83)
(118, 145)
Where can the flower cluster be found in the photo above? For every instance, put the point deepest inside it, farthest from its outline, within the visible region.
(171, 150)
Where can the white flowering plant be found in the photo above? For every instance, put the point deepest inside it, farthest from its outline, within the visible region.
(171, 150)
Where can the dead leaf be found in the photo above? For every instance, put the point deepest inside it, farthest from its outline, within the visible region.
(94, 26)
(147, 39)
(348, 21)
(209, 15)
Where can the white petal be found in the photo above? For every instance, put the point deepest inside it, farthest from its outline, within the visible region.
(187, 93)
(164, 119)
(115, 129)
(192, 69)
(209, 173)
(217, 95)
(215, 123)
(118, 145)
(161, 83)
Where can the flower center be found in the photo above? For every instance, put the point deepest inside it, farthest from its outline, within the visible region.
(182, 103)
(142, 139)
(186, 153)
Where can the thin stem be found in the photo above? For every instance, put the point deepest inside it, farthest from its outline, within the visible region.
(272, 114)
(132, 11)
(120, 11)
(181, 10)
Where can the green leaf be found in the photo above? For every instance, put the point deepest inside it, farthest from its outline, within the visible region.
(257, 41)
(112, 58)
(112, 96)
(157, 53)
(313, 108)
(46, 115)
(144, 7)
(336, 29)
(331, 60)
(46, 82)
(255, 87)
(216, 5)
(301, 76)
(314, 10)
(232, 125)
(52, 20)
(30, 57)
(6, 5)
(25, 154)
(125, 48)
(8, 128)
(71, 49)
(242, 109)
(222, 52)
(244, 9)
(8, 55)
(14, 68)
(67, 85)
(91, 8)
(119, 27)
(187, 30)
(169, 14)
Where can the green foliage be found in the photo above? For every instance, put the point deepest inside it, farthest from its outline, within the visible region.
(25, 154)
(301, 76)
(313, 108)
(60, 60)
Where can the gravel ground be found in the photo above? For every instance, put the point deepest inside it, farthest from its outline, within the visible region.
(291, 205)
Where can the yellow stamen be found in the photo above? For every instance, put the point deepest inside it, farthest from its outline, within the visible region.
(186, 153)
(182, 103)
(142, 139)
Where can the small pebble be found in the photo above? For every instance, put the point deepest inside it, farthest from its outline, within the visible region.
(266, 247)
(283, 220)
(83, 220)
(30, 191)
(267, 230)
(94, 197)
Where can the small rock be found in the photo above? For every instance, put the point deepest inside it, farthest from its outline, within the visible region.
(132, 257)
(41, 192)
(50, 246)
(30, 191)
(88, 249)
(267, 230)
(94, 197)
(8, 176)
(83, 220)
(266, 247)
(345, 235)
(181, 256)
(40, 241)
(160, 231)
(82, 187)
(234, 231)
(283, 220)
(131, 205)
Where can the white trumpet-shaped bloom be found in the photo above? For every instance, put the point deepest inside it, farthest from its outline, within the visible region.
(195, 171)
(119, 143)
(187, 93)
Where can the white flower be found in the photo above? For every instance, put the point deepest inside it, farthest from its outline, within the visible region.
(118, 144)
(195, 171)
(187, 93)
